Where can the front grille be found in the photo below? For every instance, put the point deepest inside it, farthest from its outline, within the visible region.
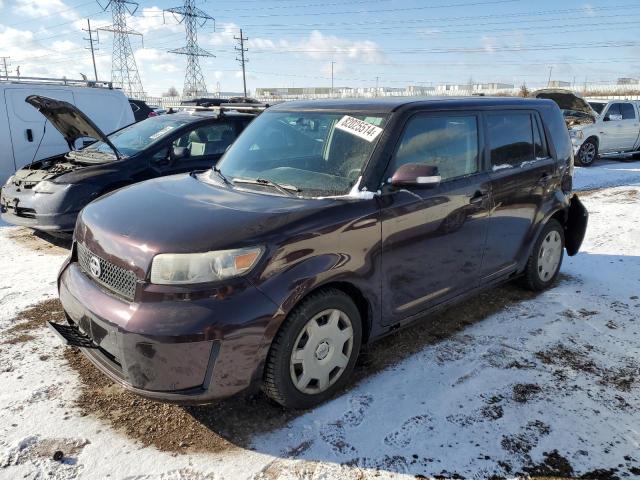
(116, 279)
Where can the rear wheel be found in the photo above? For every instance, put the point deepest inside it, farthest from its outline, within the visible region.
(588, 153)
(315, 350)
(544, 263)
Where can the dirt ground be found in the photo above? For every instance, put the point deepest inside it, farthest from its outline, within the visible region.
(234, 422)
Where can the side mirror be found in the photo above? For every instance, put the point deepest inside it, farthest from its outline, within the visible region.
(179, 153)
(416, 175)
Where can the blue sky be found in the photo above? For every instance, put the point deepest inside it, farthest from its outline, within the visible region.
(293, 42)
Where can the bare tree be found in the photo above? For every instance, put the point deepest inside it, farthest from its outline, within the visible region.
(172, 92)
(524, 91)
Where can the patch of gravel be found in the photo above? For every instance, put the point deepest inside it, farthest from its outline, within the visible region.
(32, 319)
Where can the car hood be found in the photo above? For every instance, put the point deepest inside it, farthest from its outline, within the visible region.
(183, 214)
(566, 100)
(69, 120)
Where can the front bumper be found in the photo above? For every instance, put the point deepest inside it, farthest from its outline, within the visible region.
(178, 351)
(40, 211)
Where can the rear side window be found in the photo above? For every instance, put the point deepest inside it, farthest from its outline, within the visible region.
(510, 139)
(539, 145)
(627, 110)
(448, 142)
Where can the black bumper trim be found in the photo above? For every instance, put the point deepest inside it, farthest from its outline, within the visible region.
(71, 335)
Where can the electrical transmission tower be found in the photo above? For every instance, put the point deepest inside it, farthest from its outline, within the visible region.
(242, 59)
(192, 17)
(124, 71)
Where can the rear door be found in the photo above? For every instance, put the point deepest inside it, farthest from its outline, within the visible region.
(522, 176)
(433, 238)
(31, 139)
(628, 126)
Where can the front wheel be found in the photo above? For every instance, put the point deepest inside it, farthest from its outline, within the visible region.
(544, 263)
(315, 350)
(587, 153)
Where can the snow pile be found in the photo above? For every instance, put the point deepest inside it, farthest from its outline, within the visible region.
(552, 378)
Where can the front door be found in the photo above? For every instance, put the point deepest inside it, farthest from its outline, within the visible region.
(618, 128)
(523, 176)
(433, 238)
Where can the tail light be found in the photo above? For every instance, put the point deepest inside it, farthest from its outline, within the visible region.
(152, 114)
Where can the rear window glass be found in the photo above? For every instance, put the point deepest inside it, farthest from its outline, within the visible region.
(628, 112)
(510, 139)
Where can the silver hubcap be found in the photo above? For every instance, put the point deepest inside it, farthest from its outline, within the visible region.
(549, 256)
(322, 351)
(587, 152)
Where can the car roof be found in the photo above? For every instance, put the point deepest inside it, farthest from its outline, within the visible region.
(390, 104)
(207, 114)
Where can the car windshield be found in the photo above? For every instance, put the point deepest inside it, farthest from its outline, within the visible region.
(597, 106)
(308, 153)
(138, 136)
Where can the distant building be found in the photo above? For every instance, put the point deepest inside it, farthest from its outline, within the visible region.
(419, 90)
(628, 81)
(495, 86)
(558, 84)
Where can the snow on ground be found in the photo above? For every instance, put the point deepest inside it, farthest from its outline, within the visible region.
(559, 373)
(606, 173)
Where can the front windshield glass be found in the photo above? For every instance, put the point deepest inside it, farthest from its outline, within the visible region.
(307, 153)
(138, 136)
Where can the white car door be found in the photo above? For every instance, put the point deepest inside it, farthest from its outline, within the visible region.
(629, 126)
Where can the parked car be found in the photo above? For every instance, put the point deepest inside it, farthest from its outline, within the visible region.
(610, 128)
(204, 102)
(48, 194)
(325, 226)
(141, 111)
(25, 136)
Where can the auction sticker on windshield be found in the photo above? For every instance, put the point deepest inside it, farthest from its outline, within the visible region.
(359, 128)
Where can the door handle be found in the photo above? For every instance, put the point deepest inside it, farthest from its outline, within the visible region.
(478, 198)
(29, 133)
(544, 179)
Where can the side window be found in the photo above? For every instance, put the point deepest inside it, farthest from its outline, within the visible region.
(539, 144)
(628, 112)
(614, 112)
(448, 142)
(134, 107)
(510, 139)
(208, 140)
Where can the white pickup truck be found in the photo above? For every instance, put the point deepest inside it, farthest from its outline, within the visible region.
(611, 129)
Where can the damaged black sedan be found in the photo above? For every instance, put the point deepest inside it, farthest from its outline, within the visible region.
(48, 194)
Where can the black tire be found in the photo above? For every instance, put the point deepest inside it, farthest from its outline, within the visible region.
(588, 153)
(278, 384)
(532, 277)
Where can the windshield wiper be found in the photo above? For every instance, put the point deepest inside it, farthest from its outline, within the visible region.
(282, 188)
(221, 175)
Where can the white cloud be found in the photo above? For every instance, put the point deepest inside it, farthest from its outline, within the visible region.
(150, 19)
(588, 10)
(41, 8)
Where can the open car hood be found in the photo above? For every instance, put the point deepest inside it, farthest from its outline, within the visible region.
(566, 100)
(69, 121)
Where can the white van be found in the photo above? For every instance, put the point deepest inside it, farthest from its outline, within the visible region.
(25, 136)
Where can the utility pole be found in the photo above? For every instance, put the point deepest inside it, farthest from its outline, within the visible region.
(242, 60)
(332, 64)
(550, 70)
(376, 92)
(124, 71)
(6, 67)
(91, 41)
(192, 17)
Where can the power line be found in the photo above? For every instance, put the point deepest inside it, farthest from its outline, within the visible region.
(192, 17)
(242, 59)
(124, 70)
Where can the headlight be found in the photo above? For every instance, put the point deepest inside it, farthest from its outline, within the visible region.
(45, 187)
(579, 134)
(186, 268)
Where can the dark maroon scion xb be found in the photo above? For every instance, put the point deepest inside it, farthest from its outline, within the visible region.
(326, 225)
